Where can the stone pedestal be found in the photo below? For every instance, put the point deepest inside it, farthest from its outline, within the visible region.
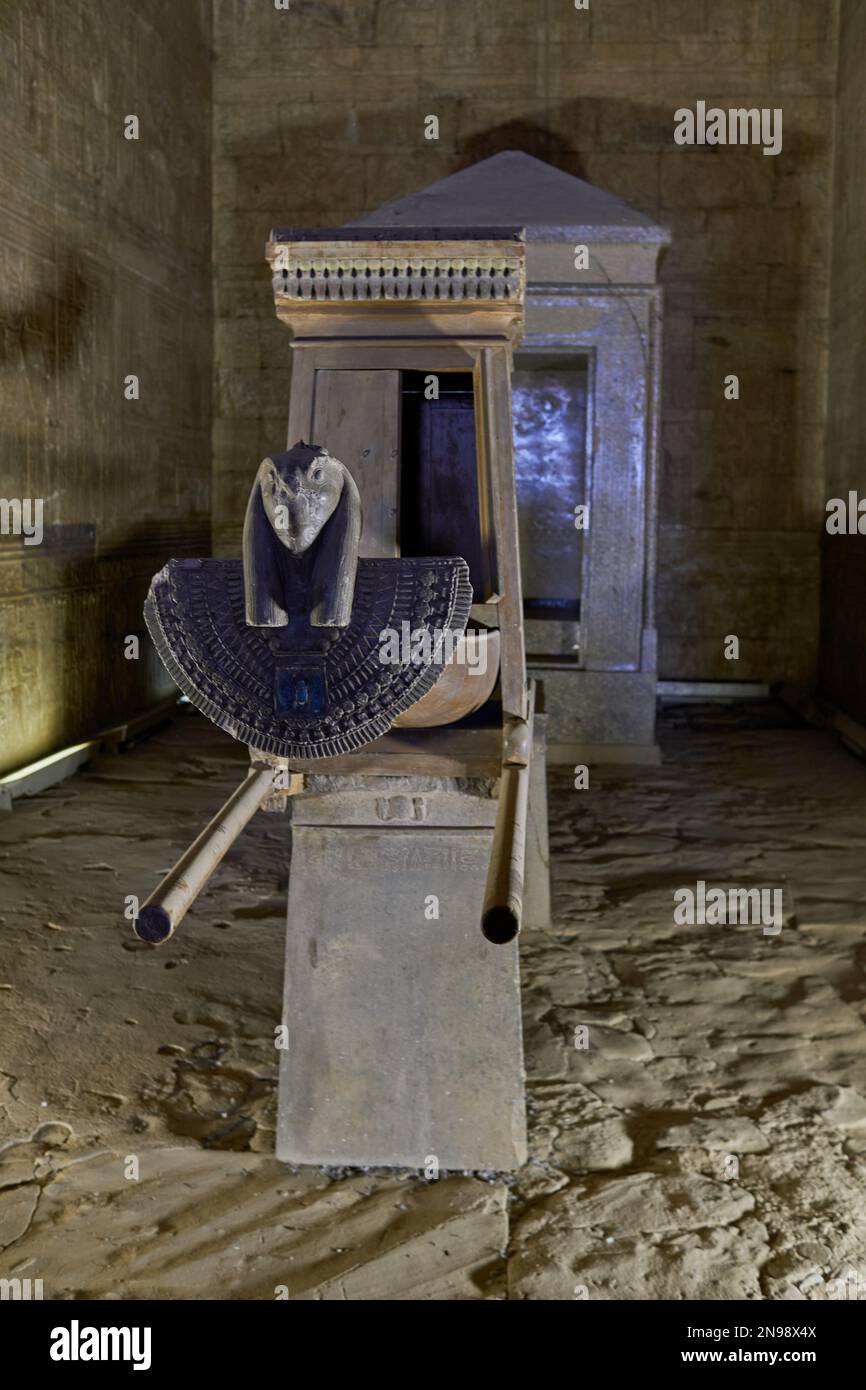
(404, 1031)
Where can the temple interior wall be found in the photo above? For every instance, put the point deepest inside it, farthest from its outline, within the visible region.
(152, 263)
(321, 128)
(843, 612)
(105, 253)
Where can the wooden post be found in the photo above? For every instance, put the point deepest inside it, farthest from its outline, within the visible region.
(503, 898)
(167, 905)
(499, 448)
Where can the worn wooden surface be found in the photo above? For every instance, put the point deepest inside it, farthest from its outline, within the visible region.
(445, 752)
(356, 416)
(499, 455)
(461, 690)
(504, 891)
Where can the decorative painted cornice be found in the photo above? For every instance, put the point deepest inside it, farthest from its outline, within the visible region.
(351, 270)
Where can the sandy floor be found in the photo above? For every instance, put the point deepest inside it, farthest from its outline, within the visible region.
(709, 1143)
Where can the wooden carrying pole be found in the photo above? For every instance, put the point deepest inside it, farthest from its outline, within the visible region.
(160, 916)
(503, 897)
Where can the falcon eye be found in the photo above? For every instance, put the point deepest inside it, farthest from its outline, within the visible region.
(318, 475)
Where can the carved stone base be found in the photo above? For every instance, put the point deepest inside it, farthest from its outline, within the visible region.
(404, 1032)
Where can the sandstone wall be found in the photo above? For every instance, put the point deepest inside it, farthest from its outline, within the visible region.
(105, 255)
(843, 609)
(319, 115)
